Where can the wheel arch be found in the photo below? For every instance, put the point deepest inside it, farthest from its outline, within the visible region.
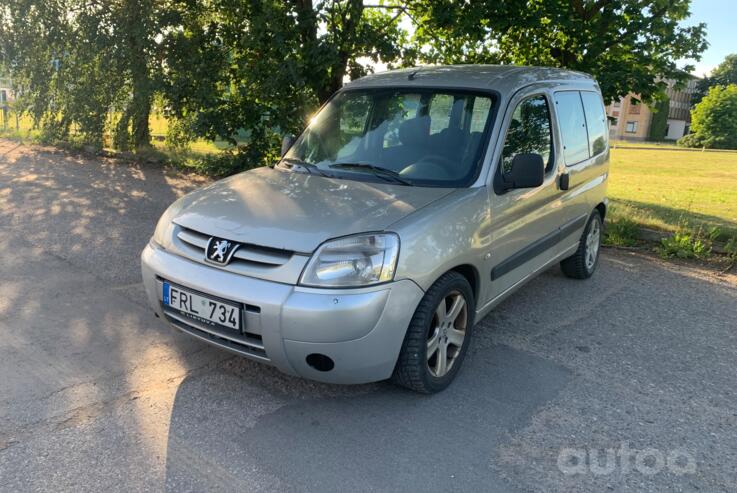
(472, 276)
(601, 207)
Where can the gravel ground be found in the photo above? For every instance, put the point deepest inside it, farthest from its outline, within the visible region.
(625, 382)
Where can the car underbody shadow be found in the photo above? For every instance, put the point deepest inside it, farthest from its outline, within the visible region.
(245, 431)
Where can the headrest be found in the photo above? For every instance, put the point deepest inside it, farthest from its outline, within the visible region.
(414, 132)
(453, 134)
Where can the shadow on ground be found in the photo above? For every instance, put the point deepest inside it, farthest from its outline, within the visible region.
(382, 438)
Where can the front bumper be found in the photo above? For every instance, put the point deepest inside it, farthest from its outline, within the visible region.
(360, 330)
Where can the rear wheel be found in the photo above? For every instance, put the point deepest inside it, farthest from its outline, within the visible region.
(582, 264)
(438, 336)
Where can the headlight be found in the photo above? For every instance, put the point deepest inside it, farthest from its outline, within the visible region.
(164, 232)
(353, 261)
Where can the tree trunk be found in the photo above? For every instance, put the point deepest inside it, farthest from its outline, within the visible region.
(138, 63)
(140, 113)
(350, 21)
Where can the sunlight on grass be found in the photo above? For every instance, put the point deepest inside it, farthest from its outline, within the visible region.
(665, 189)
(635, 144)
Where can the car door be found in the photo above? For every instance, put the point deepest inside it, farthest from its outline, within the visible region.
(581, 122)
(525, 222)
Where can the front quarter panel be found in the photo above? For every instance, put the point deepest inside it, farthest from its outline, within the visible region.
(451, 232)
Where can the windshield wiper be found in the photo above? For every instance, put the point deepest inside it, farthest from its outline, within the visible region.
(377, 170)
(309, 167)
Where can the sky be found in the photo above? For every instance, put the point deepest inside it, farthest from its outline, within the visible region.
(720, 17)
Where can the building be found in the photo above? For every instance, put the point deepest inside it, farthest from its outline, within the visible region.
(630, 120)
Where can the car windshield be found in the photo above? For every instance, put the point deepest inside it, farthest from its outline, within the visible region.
(402, 136)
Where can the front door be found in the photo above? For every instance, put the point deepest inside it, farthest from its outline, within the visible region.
(525, 223)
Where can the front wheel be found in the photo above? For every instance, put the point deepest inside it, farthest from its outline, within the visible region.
(582, 264)
(438, 336)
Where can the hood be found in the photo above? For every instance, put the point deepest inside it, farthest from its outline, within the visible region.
(296, 211)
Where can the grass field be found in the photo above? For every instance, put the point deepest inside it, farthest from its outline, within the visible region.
(616, 144)
(671, 189)
(159, 125)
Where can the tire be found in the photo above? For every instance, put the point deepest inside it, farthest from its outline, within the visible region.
(579, 265)
(416, 370)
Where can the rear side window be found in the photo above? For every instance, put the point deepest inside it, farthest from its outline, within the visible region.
(529, 132)
(572, 124)
(595, 121)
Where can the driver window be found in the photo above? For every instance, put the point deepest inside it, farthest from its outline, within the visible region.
(529, 132)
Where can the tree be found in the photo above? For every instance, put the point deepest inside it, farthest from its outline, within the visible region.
(62, 75)
(714, 120)
(250, 70)
(77, 62)
(659, 123)
(626, 44)
(724, 74)
(261, 67)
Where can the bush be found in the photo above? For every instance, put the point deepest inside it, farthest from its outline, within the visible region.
(687, 244)
(689, 140)
(714, 120)
(731, 249)
(226, 163)
(622, 232)
(179, 133)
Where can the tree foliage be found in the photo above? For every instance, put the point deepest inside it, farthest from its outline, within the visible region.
(714, 120)
(659, 123)
(724, 74)
(261, 67)
(80, 63)
(247, 71)
(625, 44)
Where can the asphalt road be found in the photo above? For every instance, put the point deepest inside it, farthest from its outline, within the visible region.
(97, 394)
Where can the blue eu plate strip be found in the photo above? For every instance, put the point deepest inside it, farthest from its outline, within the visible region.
(167, 287)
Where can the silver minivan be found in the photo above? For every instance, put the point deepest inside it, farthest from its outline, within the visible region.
(414, 202)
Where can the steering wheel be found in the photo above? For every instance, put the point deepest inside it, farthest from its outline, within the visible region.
(433, 166)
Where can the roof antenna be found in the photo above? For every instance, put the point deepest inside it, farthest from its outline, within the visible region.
(412, 75)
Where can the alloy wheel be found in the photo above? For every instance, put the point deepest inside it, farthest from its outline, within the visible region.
(593, 240)
(447, 332)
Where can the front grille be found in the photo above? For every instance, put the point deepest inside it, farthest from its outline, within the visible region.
(248, 344)
(247, 255)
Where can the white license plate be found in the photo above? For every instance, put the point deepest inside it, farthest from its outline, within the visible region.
(202, 308)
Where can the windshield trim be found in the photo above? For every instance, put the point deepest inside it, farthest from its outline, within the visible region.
(481, 152)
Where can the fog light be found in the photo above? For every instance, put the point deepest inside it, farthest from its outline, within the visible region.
(320, 362)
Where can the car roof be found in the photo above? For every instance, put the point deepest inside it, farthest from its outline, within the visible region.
(502, 78)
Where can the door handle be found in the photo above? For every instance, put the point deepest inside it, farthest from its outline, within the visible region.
(564, 181)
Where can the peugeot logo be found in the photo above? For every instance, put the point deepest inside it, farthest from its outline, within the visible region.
(220, 251)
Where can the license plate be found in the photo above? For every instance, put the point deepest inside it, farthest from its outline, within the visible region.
(201, 308)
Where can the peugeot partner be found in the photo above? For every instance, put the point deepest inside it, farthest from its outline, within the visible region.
(413, 203)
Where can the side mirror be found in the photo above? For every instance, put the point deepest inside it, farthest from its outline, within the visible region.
(528, 171)
(286, 143)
